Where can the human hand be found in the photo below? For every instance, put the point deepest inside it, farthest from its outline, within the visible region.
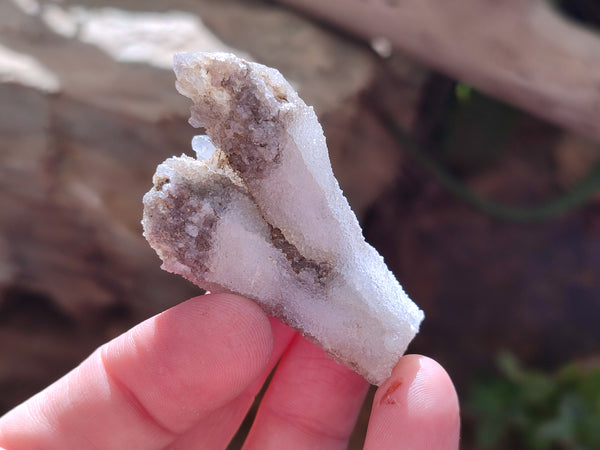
(186, 378)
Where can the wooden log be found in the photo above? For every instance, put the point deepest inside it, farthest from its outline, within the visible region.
(520, 51)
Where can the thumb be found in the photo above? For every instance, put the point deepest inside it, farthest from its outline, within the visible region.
(417, 407)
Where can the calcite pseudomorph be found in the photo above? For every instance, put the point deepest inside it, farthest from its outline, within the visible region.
(261, 214)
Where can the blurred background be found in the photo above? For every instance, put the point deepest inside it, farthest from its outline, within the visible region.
(466, 136)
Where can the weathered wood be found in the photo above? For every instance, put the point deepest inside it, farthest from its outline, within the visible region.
(520, 51)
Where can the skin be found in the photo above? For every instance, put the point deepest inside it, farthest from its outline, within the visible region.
(186, 378)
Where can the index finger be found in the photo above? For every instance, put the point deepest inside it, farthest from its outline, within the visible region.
(151, 384)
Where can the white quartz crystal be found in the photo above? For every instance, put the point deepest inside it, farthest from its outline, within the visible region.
(262, 215)
(203, 147)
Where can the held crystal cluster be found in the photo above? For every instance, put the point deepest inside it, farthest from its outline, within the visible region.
(258, 212)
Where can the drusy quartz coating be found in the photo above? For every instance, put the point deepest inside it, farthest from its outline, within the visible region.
(260, 213)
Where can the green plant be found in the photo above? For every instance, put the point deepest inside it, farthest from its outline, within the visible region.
(531, 409)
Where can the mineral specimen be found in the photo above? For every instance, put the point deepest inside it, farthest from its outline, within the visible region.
(259, 213)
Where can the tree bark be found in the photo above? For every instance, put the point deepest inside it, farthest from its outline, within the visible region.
(520, 51)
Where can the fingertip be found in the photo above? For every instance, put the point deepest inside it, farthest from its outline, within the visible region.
(199, 354)
(227, 317)
(225, 329)
(429, 389)
(417, 407)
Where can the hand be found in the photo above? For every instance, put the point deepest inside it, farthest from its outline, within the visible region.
(186, 378)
